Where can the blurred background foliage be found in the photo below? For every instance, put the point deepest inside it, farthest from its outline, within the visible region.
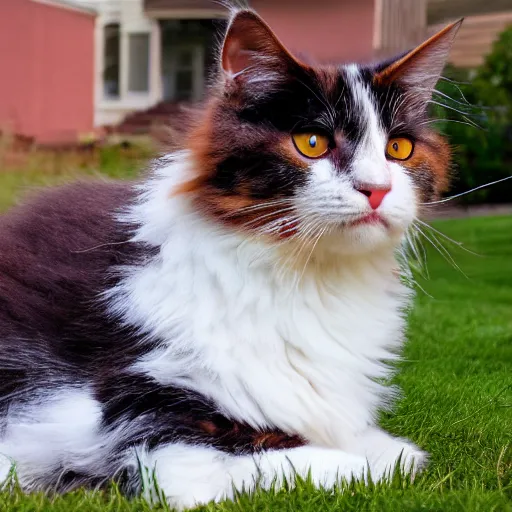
(477, 118)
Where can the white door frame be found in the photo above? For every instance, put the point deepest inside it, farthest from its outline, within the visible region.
(197, 69)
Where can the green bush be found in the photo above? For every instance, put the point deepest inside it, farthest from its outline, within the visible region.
(483, 97)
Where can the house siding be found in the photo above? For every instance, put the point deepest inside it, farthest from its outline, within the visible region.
(330, 31)
(401, 25)
(47, 60)
(476, 37)
(442, 10)
(484, 20)
(157, 5)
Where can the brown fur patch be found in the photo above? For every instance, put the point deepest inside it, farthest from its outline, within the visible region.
(231, 207)
(246, 439)
(199, 144)
(248, 35)
(433, 157)
(277, 441)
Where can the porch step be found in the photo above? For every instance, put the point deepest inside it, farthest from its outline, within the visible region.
(145, 121)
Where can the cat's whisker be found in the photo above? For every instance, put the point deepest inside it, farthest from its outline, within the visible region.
(309, 236)
(342, 93)
(472, 123)
(464, 103)
(319, 236)
(282, 226)
(417, 237)
(302, 237)
(261, 206)
(446, 120)
(441, 249)
(412, 239)
(451, 198)
(408, 275)
(456, 85)
(276, 213)
(448, 254)
(397, 108)
(108, 244)
(449, 107)
(454, 82)
(451, 240)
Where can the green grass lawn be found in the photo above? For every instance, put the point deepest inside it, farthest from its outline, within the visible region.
(456, 379)
(25, 171)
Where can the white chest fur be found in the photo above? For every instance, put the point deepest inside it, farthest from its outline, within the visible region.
(301, 358)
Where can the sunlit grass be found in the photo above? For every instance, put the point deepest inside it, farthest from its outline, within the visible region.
(22, 171)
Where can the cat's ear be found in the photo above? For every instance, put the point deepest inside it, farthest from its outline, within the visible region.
(250, 47)
(421, 68)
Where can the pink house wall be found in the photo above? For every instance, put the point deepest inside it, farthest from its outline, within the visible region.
(47, 75)
(328, 30)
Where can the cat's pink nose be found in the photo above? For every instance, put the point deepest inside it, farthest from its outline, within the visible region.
(375, 195)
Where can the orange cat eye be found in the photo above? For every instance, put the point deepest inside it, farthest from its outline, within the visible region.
(312, 145)
(399, 148)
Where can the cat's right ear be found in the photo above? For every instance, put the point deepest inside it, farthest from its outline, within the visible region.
(252, 50)
(420, 69)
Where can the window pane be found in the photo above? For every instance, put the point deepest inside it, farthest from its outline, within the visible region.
(184, 85)
(185, 59)
(111, 61)
(138, 80)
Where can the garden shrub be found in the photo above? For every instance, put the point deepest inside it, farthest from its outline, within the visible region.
(480, 155)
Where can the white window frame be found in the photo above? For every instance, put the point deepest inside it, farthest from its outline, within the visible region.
(130, 93)
(105, 97)
(197, 69)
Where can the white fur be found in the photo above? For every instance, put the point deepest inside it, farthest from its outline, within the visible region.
(216, 475)
(194, 475)
(55, 432)
(383, 451)
(5, 470)
(300, 358)
(370, 166)
(331, 198)
(303, 355)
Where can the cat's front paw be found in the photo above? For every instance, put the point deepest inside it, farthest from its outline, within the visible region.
(386, 453)
(5, 470)
(325, 466)
(408, 457)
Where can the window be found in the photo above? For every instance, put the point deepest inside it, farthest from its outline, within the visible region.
(111, 61)
(185, 73)
(138, 48)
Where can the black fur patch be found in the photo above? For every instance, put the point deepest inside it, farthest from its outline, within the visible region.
(58, 253)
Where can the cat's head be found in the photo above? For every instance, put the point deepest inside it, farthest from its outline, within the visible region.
(337, 156)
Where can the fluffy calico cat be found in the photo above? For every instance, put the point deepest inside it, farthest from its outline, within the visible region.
(227, 321)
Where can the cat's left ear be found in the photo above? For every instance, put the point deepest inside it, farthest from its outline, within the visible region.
(251, 47)
(421, 68)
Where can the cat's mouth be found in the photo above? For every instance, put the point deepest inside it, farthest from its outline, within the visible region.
(372, 218)
(289, 229)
